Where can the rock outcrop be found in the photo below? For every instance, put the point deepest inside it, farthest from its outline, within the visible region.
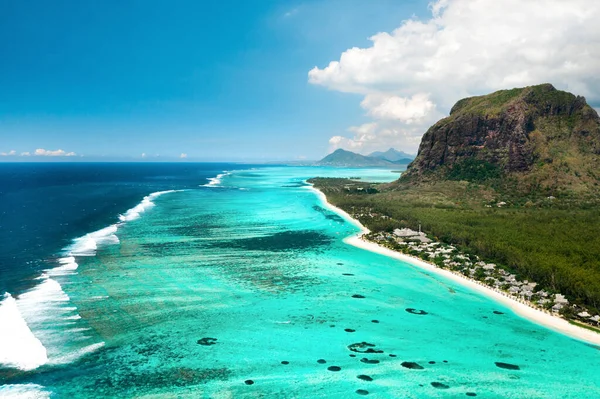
(542, 136)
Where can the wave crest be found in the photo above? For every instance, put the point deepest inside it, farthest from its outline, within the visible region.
(18, 346)
(41, 326)
(217, 180)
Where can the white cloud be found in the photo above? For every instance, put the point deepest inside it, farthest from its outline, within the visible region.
(7, 154)
(469, 47)
(375, 136)
(183, 155)
(55, 153)
(407, 110)
(143, 155)
(25, 154)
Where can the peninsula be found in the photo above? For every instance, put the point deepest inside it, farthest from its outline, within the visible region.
(505, 188)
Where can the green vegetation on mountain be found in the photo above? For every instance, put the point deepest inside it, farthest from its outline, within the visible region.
(533, 141)
(512, 177)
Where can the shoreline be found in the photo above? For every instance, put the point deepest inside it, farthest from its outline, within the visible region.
(555, 323)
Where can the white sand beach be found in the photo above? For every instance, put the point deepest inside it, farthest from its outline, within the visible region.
(547, 320)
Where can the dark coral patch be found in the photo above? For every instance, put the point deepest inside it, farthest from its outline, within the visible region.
(507, 366)
(374, 321)
(445, 361)
(248, 382)
(328, 214)
(347, 274)
(364, 377)
(352, 355)
(439, 385)
(364, 347)
(416, 311)
(321, 361)
(431, 362)
(412, 365)
(340, 264)
(498, 312)
(283, 241)
(363, 392)
(358, 296)
(334, 368)
(471, 394)
(392, 355)
(206, 341)
(285, 362)
(369, 361)
(349, 330)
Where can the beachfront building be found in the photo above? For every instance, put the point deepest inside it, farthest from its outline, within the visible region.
(446, 256)
(411, 235)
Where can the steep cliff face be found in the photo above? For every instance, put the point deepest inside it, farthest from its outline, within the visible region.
(542, 136)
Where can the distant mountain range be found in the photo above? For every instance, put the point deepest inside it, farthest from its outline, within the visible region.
(390, 158)
(393, 155)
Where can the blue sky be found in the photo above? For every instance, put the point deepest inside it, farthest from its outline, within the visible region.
(216, 80)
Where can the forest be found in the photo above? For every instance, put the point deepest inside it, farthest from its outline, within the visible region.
(554, 244)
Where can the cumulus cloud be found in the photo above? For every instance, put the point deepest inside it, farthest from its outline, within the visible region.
(407, 110)
(50, 153)
(25, 154)
(373, 136)
(7, 154)
(468, 47)
(183, 155)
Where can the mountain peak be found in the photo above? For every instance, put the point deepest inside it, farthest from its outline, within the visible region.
(344, 158)
(393, 155)
(538, 135)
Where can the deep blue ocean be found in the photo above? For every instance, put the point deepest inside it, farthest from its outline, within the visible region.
(236, 281)
(43, 206)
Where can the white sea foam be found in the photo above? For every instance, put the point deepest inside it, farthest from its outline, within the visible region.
(72, 356)
(98, 297)
(50, 315)
(67, 266)
(18, 346)
(23, 391)
(143, 206)
(88, 244)
(217, 180)
(40, 326)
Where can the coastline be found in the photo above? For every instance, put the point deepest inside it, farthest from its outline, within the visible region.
(552, 322)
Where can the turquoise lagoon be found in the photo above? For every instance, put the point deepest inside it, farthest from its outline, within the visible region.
(244, 288)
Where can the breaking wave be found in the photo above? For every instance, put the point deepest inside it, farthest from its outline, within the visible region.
(23, 391)
(217, 180)
(18, 346)
(42, 326)
(143, 206)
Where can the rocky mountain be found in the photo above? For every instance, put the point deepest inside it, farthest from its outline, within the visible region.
(343, 158)
(538, 138)
(393, 155)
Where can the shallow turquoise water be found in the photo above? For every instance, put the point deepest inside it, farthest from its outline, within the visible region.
(257, 263)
